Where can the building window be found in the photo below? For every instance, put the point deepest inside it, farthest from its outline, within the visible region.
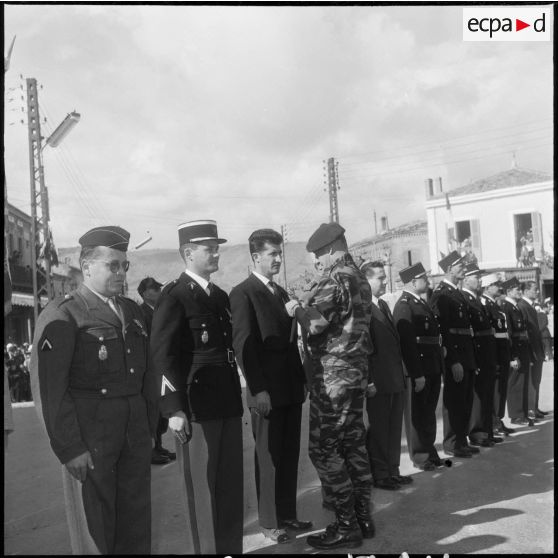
(20, 244)
(465, 238)
(528, 238)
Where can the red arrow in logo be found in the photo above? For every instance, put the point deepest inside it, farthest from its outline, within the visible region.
(519, 25)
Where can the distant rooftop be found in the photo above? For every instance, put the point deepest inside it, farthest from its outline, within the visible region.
(513, 177)
(414, 227)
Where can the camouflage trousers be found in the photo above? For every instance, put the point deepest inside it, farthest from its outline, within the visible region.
(337, 437)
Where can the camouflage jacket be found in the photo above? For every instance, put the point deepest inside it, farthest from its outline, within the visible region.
(343, 297)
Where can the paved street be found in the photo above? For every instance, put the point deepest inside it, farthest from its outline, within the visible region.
(501, 501)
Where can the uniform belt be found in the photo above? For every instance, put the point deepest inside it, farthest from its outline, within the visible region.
(521, 335)
(221, 357)
(501, 335)
(484, 333)
(430, 340)
(461, 331)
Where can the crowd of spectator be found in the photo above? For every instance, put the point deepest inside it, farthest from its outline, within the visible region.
(16, 361)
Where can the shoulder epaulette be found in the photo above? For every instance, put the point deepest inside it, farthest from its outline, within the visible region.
(62, 300)
(170, 285)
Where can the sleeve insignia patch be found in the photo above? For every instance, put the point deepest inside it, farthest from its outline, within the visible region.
(46, 346)
(166, 384)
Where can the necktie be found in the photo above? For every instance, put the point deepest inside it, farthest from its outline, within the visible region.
(115, 308)
(384, 308)
(273, 288)
(209, 289)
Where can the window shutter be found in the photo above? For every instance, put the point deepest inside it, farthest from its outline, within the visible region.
(475, 238)
(536, 223)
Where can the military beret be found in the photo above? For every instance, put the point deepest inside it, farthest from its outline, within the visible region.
(109, 236)
(510, 283)
(324, 235)
(472, 269)
(412, 272)
(451, 259)
(148, 283)
(194, 232)
(490, 279)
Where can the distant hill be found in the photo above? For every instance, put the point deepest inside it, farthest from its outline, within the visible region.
(234, 265)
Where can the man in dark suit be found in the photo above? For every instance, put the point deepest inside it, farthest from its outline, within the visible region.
(450, 307)
(386, 388)
(526, 304)
(191, 344)
(150, 291)
(521, 391)
(266, 349)
(90, 356)
(421, 344)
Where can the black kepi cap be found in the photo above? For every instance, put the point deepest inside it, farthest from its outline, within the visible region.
(510, 283)
(412, 272)
(472, 269)
(109, 236)
(451, 259)
(148, 283)
(194, 232)
(325, 234)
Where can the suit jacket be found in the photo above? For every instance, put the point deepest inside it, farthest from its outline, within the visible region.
(485, 345)
(498, 321)
(449, 305)
(533, 330)
(191, 347)
(415, 319)
(517, 330)
(386, 362)
(267, 356)
(147, 315)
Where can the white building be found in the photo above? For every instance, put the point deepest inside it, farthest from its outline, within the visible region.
(497, 214)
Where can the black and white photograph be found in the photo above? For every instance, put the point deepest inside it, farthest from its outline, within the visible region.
(278, 278)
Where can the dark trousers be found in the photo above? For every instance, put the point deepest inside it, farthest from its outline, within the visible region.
(383, 437)
(536, 376)
(501, 390)
(276, 455)
(521, 391)
(480, 424)
(421, 427)
(212, 475)
(458, 400)
(162, 425)
(117, 492)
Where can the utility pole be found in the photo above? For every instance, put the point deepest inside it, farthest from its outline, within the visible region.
(39, 199)
(333, 186)
(284, 235)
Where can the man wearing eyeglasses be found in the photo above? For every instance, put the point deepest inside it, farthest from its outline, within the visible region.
(88, 363)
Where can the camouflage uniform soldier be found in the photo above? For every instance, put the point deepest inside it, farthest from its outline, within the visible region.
(338, 323)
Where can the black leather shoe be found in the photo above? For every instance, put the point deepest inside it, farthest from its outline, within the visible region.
(521, 421)
(364, 519)
(460, 452)
(295, 524)
(401, 479)
(543, 413)
(474, 443)
(487, 443)
(531, 422)
(506, 429)
(336, 538)
(497, 439)
(367, 528)
(427, 466)
(472, 449)
(539, 415)
(387, 484)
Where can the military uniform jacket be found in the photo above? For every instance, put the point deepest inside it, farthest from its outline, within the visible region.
(533, 330)
(81, 349)
(191, 346)
(386, 362)
(420, 336)
(267, 356)
(344, 298)
(517, 330)
(450, 307)
(498, 322)
(484, 340)
(147, 315)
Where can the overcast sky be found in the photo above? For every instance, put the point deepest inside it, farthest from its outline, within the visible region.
(228, 113)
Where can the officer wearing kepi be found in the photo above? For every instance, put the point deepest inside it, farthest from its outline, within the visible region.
(450, 307)
(480, 425)
(338, 323)
(491, 287)
(89, 358)
(191, 342)
(421, 344)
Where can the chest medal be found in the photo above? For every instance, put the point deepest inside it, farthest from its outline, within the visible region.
(426, 324)
(103, 353)
(204, 337)
(499, 324)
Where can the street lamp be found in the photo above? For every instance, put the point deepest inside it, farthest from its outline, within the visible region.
(63, 129)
